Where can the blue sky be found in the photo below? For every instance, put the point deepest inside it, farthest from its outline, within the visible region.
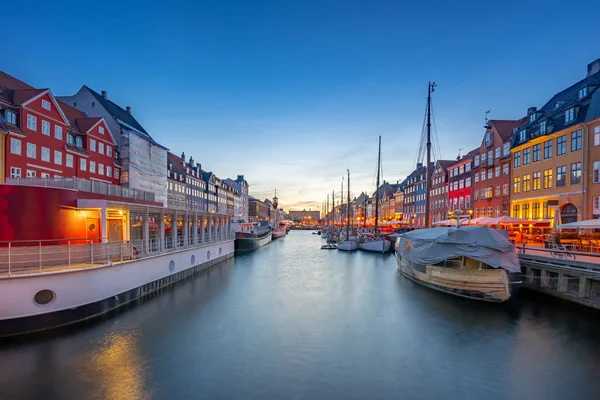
(291, 93)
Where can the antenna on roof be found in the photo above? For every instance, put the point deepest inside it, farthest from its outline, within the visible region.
(459, 150)
(487, 120)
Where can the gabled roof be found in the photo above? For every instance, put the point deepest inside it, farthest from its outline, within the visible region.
(553, 112)
(122, 117)
(8, 84)
(85, 124)
(175, 161)
(506, 127)
(22, 96)
(444, 164)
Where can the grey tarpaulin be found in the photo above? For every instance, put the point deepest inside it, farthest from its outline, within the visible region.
(431, 246)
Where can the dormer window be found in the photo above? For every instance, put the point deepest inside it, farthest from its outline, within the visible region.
(583, 92)
(11, 117)
(543, 127)
(570, 115)
(559, 104)
(70, 139)
(79, 142)
(532, 117)
(101, 130)
(523, 135)
(46, 105)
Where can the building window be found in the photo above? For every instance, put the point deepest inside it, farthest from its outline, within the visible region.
(461, 170)
(82, 164)
(543, 127)
(490, 157)
(108, 171)
(79, 142)
(10, 117)
(570, 115)
(516, 211)
(547, 149)
(576, 140)
(561, 176)
(537, 180)
(476, 161)
(45, 154)
(575, 173)
(57, 157)
(525, 211)
(537, 149)
(497, 152)
(582, 92)
(526, 156)
(92, 167)
(547, 178)
(482, 175)
(517, 185)
(505, 189)
(506, 149)
(31, 150)
(505, 169)
(535, 211)
(108, 150)
(561, 145)
(100, 169)
(30, 173)
(468, 182)
(596, 171)
(45, 128)
(497, 191)
(70, 139)
(461, 184)
(468, 167)
(46, 105)
(517, 159)
(497, 171)
(532, 117)
(490, 173)
(92, 145)
(522, 136)
(15, 146)
(101, 130)
(476, 178)
(15, 172)
(526, 183)
(69, 160)
(483, 158)
(31, 122)
(597, 136)
(116, 173)
(100, 148)
(58, 132)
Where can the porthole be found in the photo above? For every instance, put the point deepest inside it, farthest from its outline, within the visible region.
(208, 255)
(220, 251)
(193, 260)
(172, 266)
(44, 297)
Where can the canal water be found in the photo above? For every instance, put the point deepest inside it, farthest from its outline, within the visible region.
(291, 321)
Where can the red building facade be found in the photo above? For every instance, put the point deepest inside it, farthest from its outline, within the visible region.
(491, 170)
(48, 139)
(439, 191)
(460, 183)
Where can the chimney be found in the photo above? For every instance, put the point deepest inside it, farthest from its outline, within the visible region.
(199, 166)
(191, 161)
(531, 110)
(593, 67)
(128, 110)
(104, 94)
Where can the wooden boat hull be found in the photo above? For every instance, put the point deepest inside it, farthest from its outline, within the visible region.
(347, 246)
(491, 285)
(376, 246)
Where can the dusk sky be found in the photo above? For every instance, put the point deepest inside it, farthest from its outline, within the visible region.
(291, 93)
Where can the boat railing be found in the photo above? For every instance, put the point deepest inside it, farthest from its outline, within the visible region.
(47, 256)
(84, 185)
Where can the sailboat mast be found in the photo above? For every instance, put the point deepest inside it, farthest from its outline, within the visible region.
(430, 88)
(377, 188)
(327, 209)
(341, 201)
(333, 205)
(348, 209)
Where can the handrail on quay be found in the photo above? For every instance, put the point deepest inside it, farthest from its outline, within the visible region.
(45, 256)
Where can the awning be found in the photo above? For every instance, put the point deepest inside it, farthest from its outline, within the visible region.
(588, 224)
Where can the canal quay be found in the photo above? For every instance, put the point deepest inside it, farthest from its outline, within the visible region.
(292, 321)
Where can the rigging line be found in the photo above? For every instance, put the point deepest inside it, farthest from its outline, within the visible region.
(419, 155)
(436, 141)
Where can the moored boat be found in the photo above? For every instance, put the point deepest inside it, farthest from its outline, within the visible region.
(475, 262)
(349, 243)
(252, 236)
(374, 244)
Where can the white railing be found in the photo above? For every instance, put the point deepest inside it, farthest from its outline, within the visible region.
(44, 256)
(84, 185)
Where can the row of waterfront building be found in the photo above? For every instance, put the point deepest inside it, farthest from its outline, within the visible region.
(88, 136)
(529, 168)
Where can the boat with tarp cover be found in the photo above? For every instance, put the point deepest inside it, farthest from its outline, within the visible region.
(475, 262)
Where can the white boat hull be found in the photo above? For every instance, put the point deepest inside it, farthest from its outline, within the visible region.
(347, 246)
(85, 292)
(376, 246)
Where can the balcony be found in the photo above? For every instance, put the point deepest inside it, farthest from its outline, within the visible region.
(84, 185)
